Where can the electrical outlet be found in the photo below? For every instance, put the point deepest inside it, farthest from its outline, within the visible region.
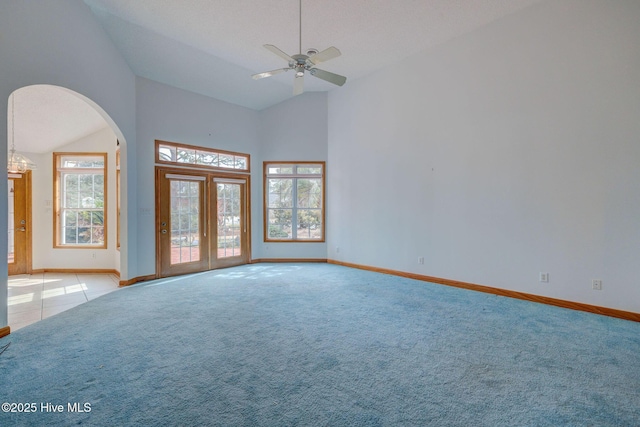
(596, 284)
(544, 277)
(337, 249)
(421, 260)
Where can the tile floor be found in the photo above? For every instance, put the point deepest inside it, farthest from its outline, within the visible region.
(33, 297)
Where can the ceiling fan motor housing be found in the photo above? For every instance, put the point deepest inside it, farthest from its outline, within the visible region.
(300, 59)
(300, 64)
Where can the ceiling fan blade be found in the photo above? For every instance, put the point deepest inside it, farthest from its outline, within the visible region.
(325, 55)
(278, 52)
(336, 79)
(269, 73)
(298, 85)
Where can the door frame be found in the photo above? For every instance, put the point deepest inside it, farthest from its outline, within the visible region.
(163, 259)
(28, 261)
(208, 207)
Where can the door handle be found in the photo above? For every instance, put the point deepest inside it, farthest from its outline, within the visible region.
(21, 229)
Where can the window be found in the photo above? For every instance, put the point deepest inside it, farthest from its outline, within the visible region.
(189, 155)
(294, 201)
(80, 204)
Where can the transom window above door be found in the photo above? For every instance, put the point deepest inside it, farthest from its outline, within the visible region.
(208, 158)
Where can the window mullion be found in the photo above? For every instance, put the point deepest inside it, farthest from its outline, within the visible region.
(294, 208)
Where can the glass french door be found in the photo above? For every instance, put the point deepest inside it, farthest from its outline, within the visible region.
(202, 222)
(182, 224)
(19, 233)
(231, 227)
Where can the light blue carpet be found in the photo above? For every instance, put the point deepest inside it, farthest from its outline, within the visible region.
(316, 345)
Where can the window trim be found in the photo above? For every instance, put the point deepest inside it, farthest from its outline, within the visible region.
(57, 231)
(200, 166)
(265, 199)
(118, 195)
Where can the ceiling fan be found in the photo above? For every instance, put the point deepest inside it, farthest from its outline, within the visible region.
(301, 63)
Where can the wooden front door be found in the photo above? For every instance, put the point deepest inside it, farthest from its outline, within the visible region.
(19, 232)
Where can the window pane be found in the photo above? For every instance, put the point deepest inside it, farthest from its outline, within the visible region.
(84, 235)
(280, 193)
(280, 223)
(97, 235)
(309, 170)
(186, 156)
(86, 191)
(309, 193)
(226, 160)
(97, 219)
(98, 181)
(70, 235)
(70, 219)
(280, 169)
(166, 153)
(84, 218)
(185, 221)
(229, 233)
(309, 224)
(241, 162)
(208, 159)
(70, 189)
(86, 162)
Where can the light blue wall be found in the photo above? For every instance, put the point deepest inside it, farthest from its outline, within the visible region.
(60, 43)
(294, 130)
(170, 114)
(508, 152)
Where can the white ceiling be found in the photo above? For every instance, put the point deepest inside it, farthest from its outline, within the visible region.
(212, 47)
(42, 118)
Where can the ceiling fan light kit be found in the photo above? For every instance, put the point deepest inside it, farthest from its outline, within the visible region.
(301, 63)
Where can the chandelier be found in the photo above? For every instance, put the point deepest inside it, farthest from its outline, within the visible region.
(16, 163)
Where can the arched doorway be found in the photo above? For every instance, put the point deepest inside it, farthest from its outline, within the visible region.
(46, 122)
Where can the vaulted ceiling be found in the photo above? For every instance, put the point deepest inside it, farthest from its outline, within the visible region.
(212, 47)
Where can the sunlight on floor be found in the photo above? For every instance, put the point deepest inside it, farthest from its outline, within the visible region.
(22, 281)
(20, 299)
(32, 298)
(64, 290)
